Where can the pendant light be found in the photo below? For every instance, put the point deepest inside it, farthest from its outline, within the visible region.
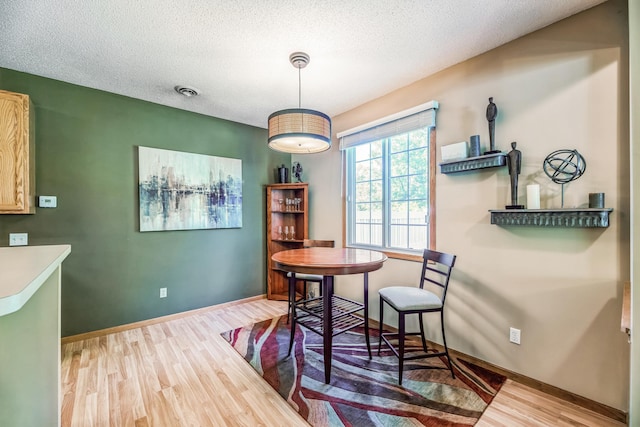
(299, 130)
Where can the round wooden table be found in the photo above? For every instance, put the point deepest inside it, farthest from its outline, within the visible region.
(329, 262)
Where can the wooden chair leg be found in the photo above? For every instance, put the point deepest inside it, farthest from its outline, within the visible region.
(366, 312)
(424, 341)
(444, 341)
(293, 333)
(292, 311)
(291, 300)
(381, 323)
(400, 346)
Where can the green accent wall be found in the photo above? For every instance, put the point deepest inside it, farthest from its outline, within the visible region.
(86, 155)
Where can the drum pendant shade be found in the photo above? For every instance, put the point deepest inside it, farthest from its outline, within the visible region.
(299, 130)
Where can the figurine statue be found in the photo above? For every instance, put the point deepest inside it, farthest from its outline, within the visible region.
(514, 162)
(492, 113)
(296, 171)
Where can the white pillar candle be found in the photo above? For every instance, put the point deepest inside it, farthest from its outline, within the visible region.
(533, 196)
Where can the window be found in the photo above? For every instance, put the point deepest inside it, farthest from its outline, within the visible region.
(389, 190)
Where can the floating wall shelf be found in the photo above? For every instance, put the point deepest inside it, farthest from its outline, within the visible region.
(473, 163)
(567, 218)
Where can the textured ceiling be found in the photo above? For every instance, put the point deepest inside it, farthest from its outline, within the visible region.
(237, 52)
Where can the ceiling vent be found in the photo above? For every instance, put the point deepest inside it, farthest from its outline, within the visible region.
(187, 91)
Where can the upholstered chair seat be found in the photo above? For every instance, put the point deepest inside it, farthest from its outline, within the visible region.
(404, 298)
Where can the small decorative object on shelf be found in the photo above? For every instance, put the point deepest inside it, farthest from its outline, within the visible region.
(283, 174)
(596, 200)
(533, 196)
(564, 166)
(567, 218)
(514, 161)
(474, 145)
(296, 171)
(472, 163)
(492, 113)
(453, 152)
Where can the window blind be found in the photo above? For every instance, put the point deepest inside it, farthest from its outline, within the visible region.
(406, 121)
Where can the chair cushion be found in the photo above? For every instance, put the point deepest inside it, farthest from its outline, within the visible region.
(307, 277)
(405, 298)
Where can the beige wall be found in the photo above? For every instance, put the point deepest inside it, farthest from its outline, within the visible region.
(634, 72)
(565, 86)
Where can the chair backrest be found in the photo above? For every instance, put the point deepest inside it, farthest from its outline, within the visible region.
(308, 243)
(436, 269)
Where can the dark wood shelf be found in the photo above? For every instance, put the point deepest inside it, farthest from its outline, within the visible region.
(473, 163)
(278, 218)
(560, 218)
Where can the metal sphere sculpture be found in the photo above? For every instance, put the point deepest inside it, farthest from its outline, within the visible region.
(564, 166)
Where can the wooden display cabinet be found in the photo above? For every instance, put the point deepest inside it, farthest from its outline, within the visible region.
(281, 217)
(17, 157)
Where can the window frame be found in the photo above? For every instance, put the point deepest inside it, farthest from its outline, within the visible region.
(393, 252)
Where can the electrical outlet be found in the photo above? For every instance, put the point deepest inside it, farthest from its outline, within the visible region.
(514, 335)
(18, 239)
(47, 201)
(163, 292)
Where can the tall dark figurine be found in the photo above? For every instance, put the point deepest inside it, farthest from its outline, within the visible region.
(492, 113)
(514, 162)
(296, 170)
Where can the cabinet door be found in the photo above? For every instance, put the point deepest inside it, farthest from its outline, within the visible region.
(16, 155)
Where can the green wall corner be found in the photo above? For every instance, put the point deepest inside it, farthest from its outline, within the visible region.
(86, 155)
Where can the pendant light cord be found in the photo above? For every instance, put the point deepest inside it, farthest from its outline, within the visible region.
(299, 89)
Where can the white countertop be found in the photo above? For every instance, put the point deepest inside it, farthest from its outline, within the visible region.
(23, 270)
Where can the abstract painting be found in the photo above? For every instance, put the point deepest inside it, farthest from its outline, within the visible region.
(188, 191)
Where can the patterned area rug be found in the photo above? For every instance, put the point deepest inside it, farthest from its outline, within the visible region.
(363, 392)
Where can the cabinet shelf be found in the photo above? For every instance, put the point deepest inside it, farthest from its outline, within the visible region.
(288, 240)
(287, 212)
(549, 218)
(472, 163)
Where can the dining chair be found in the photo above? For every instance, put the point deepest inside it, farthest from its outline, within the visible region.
(436, 271)
(304, 278)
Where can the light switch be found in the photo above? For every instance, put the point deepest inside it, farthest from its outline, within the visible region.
(48, 201)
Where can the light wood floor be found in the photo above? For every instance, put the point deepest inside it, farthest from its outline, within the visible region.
(181, 372)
